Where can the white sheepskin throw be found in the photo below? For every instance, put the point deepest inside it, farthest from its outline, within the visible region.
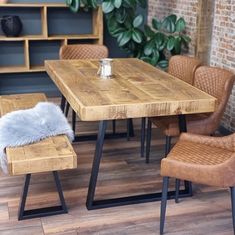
(24, 127)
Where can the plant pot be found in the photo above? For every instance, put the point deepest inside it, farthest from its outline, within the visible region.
(11, 26)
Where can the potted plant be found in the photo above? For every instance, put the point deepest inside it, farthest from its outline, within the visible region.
(153, 44)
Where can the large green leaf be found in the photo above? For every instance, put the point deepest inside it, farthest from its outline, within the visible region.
(74, 5)
(177, 49)
(149, 47)
(163, 64)
(125, 38)
(138, 21)
(168, 25)
(148, 31)
(180, 25)
(173, 18)
(159, 39)
(117, 3)
(186, 39)
(155, 58)
(156, 24)
(107, 6)
(171, 43)
(120, 15)
(137, 35)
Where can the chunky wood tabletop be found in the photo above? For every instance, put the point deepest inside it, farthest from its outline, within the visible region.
(137, 89)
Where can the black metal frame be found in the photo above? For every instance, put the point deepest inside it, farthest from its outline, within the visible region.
(41, 212)
(98, 204)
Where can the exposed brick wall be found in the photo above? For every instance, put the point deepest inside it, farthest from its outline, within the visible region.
(187, 9)
(223, 49)
(223, 37)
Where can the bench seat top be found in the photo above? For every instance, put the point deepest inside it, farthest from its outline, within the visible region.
(50, 154)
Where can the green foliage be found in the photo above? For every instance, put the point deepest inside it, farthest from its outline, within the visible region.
(152, 44)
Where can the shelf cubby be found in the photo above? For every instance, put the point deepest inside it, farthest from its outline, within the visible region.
(46, 26)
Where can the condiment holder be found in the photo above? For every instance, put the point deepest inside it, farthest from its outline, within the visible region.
(105, 68)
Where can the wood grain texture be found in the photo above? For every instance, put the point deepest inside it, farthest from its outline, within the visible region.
(55, 153)
(136, 90)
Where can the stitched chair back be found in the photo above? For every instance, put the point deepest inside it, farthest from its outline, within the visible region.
(83, 51)
(183, 67)
(218, 83)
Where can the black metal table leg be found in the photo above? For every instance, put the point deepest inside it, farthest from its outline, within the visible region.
(105, 203)
(67, 109)
(74, 121)
(41, 212)
(143, 130)
(62, 104)
(96, 164)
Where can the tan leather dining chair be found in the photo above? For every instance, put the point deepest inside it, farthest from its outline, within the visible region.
(81, 51)
(203, 160)
(214, 81)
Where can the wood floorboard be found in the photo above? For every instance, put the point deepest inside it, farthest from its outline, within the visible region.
(122, 172)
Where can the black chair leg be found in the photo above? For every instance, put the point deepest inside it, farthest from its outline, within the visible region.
(163, 203)
(74, 121)
(143, 129)
(177, 189)
(67, 109)
(233, 206)
(168, 145)
(148, 140)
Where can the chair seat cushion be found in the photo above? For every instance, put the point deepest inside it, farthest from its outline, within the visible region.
(199, 163)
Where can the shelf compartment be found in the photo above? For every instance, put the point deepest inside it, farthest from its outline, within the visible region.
(39, 51)
(12, 54)
(58, 17)
(30, 17)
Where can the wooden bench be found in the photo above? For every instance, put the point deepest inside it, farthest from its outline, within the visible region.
(51, 154)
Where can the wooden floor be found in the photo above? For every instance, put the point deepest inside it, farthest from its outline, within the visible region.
(122, 172)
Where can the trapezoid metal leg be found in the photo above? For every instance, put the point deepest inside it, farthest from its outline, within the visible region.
(41, 212)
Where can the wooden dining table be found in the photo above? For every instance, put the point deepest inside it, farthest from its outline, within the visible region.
(136, 90)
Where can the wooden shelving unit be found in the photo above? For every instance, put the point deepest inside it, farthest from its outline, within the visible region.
(95, 37)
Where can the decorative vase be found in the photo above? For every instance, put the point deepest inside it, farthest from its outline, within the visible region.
(11, 26)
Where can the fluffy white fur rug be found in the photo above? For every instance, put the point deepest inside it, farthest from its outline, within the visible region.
(31, 125)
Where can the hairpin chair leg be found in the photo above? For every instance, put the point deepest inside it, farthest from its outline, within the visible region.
(41, 212)
(148, 140)
(233, 206)
(163, 203)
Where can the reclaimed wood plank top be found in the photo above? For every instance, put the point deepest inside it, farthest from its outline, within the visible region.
(137, 89)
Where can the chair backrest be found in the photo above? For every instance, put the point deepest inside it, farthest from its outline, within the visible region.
(218, 83)
(183, 67)
(83, 51)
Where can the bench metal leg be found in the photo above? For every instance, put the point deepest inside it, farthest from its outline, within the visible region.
(41, 212)
(74, 121)
(62, 104)
(67, 109)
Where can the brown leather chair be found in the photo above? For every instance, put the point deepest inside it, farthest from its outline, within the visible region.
(83, 51)
(203, 160)
(80, 51)
(214, 81)
(183, 67)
